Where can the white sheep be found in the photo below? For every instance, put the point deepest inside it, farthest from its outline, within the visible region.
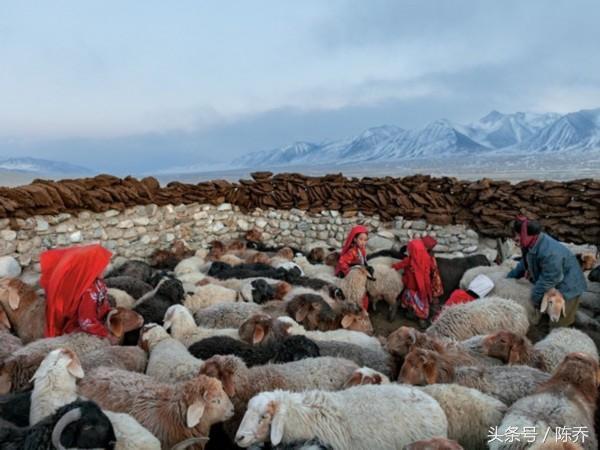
(348, 419)
(191, 277)
(348, 336)
(483, 316)
(470, 413)
(122, 298)
(562, 341)
(169, 359)
(130, 434)
(183, 327)
(387, 286)
(320, 271)
(54, 383)
(208, 295)
(191, 265)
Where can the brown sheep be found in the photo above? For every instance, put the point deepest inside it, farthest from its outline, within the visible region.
(316, 255)
(168, 259)
(10, 342)
(286, 253)
(507, 383)
(332, 259)
(511, 348)
(587, 261)
(171, 412)
(553, 303)
(25, 310)
(254, 235)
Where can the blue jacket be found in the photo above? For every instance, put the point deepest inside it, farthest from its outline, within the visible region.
(551, 265)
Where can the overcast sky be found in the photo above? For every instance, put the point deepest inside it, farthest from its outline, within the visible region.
(151, 83)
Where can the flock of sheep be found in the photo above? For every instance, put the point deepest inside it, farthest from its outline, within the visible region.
(244, 345)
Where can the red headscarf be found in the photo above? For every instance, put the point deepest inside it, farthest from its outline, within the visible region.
(527, 240)
(66, 274)
(419, 266)
(429, 242)
(355, 231)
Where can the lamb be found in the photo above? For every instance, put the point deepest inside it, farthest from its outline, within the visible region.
(568, 399)
(208, 295)
(470, 413)
(506, 383)
(292, 348)
(179, 320)
(121, 298)
(387, 286)
(80, 424)
(169, 360)
(171, 412)
(354, 284)
(10, 342)
(241, 383)
(54, 383)
(345, 419)
(375, 359)
(483, 316)
(349, 336)
(135, 287)
(26, 312)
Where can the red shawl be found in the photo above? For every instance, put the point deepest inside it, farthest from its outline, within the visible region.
(417, 269)
(348, 247)
(429, 242)
(66, 274)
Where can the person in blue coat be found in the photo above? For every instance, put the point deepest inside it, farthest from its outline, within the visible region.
(548, 264)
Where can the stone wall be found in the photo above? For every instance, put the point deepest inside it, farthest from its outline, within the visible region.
(568, 210)
(137, 231)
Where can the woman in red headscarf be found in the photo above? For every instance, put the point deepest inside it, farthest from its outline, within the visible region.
(76, 296)
(354, 252)
(420, 278)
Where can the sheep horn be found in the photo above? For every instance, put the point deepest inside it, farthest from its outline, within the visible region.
(191, 441)
(149, 294)
(67, 419)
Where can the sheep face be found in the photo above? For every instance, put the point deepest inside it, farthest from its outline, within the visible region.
(580, 370)
(60, 359)
(262, 291)
(207, 402)
(358, 322)
(86, 427)
(122, 320)
(506, 346)
(223, 368)
(14, 293)
(422, 367)
(316, 255)
(587, 260)
(332, 259)
(286, 253)
(151, 334)
(281, 290)
(365, 375)
(401, 341)
(256, 329)
(553, 303)
(264, 414)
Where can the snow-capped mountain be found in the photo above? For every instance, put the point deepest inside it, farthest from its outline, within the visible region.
(42, 166)
(493, 134)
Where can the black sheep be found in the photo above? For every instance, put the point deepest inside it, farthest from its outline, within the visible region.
(14, 408)
(224, 271)
(133, 268)
(292, 348)
(594, 275)
(262, 291)
(398, 254)
(452, 270)
(265, 248)
(80, 424)
(133, 286)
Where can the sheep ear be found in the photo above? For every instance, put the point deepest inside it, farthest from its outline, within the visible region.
(74, 366)
(259, 334)
(355, 379)
(13, 298)
(302, 313)
(194, 414)
(544, 306)
(115, 324)
(563, 308)
(5, 382)
(413, 335)
(277, 425)
(347, 321)
(377, 379)
(4, 319)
